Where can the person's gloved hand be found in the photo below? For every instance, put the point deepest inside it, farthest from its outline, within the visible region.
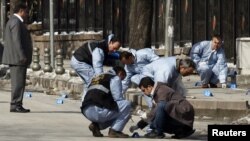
(142, 114)
(223, 85)
(202, 63)
(133, 128)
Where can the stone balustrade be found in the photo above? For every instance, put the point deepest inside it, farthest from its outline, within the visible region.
(67, 43)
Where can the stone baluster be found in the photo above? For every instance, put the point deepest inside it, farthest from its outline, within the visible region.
(36, 66)
(59, 62)
(72, 71)
(47, 67)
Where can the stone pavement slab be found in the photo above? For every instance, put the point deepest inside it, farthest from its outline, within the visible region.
(49, 121)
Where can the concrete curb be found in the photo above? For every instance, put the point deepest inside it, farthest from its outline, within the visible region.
(207, 108)
(227, 105)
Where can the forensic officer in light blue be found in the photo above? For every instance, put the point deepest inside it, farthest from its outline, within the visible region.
(169, 70)
(134, 62)
(210, 61)
(88, 59)
(105, 106)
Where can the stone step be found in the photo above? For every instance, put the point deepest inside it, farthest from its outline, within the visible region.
(205, 109)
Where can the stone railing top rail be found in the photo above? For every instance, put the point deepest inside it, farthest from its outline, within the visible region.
(68, 37)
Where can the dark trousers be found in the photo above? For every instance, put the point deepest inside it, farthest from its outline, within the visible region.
(18, 79)
(164, 123)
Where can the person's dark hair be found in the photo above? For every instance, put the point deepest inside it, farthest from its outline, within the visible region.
(125, 55)
(218, 36)
(187, 62)
(19, 6)
(145, 82)
(118, 69)
(115, 39)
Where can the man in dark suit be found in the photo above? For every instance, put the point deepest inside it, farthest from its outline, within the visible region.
(18, 55)
(1, 52)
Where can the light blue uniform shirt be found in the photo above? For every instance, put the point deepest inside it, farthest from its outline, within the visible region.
(203, 55)
(162, 70)
(142, 58)
(98, 58)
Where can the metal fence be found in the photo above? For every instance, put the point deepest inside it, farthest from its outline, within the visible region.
(99, 15)
(195, 20)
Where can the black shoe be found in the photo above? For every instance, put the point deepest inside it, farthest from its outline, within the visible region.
(213, 85)
(93, 127)
(204, 86)
(20, 109)
(117, 134)
(183, 135)
(154, 134)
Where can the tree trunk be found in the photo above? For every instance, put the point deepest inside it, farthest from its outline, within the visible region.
(140, 23)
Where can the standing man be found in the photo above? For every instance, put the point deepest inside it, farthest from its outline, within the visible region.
(18, 55)
(209, 57)
(1, 52)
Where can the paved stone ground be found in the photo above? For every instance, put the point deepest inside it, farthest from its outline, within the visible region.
(49, 121)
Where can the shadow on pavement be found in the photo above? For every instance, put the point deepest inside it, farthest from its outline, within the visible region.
(197, 137)
(56, 112)
(4, 101)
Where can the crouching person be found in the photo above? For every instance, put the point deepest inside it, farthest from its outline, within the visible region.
(171, 113)
(105, 106)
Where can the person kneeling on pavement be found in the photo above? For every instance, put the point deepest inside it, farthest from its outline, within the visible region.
(171, 113)
(105, 106)
(210, 60)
